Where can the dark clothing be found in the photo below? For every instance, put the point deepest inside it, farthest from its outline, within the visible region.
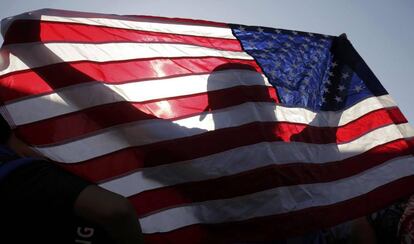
(37, 200)
(4, 130)
(9, 161)
(6, 154)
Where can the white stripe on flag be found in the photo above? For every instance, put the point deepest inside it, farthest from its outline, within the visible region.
(125, 22)
(34, 55)
(182, 29)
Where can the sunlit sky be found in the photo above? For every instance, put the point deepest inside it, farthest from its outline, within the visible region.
(381, 30)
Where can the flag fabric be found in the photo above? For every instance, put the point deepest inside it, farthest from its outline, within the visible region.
(215, 132)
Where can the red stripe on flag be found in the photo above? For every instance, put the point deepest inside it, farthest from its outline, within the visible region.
(49, 78)
(24, 31)
(265, 178)
(290, 224)
(131, 159)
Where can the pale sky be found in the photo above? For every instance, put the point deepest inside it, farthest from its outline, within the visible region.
(381, 30)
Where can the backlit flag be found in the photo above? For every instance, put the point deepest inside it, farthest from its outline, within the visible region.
(215, 132)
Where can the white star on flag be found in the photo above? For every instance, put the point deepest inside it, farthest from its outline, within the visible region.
(328, 82)
(345, 75)
(341, 88)
(358, 88)
(338, 99)
(278, 64)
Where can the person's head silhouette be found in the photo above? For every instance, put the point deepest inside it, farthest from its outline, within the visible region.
(233, 84)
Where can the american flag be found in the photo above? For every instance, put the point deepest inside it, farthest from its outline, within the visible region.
(215, 132)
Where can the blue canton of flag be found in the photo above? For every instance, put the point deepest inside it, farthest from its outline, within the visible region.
(313, 71)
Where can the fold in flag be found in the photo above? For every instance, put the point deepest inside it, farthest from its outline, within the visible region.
(215, 132)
